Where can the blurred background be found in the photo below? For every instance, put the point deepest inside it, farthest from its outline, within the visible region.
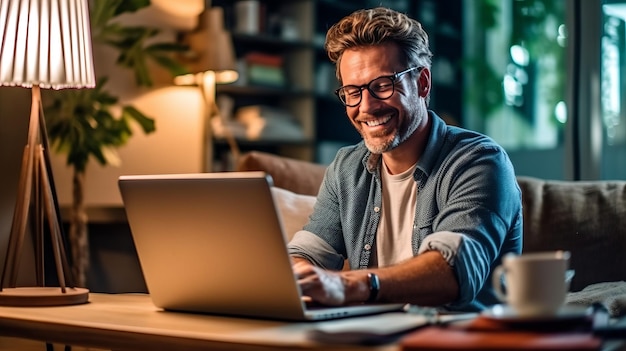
(543, 78)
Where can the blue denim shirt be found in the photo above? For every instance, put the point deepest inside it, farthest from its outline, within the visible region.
(468, 208)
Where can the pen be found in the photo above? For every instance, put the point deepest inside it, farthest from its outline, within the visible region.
(436, 317)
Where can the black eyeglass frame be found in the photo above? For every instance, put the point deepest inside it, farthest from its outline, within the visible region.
(394, 78)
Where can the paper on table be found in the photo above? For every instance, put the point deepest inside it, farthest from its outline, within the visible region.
(373, 329)
(386, 323)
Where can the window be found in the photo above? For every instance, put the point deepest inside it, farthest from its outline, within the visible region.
(515, 80)
(613, 90)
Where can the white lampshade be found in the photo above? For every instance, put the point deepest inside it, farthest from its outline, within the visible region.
(46, 43)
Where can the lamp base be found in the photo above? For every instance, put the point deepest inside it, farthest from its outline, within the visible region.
(42, 296)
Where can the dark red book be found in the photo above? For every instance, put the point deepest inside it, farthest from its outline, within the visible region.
(486, 334)
(263, 59)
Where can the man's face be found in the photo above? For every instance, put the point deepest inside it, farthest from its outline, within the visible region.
(383, 124)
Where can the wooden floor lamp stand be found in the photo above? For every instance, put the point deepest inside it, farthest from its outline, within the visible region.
(36, 191)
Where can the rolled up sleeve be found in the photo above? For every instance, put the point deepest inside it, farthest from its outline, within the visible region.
(314, 249)
(446, 243)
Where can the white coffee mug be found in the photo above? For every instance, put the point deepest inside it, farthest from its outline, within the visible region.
(535, 283)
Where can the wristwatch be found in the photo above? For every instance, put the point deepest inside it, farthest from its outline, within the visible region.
(374, 286)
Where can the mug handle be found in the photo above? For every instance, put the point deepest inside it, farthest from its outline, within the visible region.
(497, 283)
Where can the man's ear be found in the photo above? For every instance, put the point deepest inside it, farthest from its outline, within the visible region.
(423, 82)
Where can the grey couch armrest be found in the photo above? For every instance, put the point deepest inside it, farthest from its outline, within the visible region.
(587, 218)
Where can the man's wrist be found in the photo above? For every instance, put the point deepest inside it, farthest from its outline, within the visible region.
(374, 286)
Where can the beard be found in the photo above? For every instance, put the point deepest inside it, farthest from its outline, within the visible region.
(377, 147)
(387, 140)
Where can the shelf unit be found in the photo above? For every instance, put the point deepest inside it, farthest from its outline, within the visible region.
(310, 76)
(333, 129)
(296, 97)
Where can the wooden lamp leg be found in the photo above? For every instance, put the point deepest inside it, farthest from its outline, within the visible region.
(36, 173)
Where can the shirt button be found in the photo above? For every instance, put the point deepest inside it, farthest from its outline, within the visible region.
(376, 209)
(368, 247)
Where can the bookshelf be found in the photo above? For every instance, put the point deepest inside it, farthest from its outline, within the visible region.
(294, 31)
(275, 55)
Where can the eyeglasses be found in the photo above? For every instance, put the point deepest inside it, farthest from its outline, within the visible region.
(381, 88)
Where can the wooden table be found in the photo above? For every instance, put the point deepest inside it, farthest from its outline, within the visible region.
(132, 322)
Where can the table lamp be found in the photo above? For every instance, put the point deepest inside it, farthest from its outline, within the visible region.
(43, 44)
(213, 62)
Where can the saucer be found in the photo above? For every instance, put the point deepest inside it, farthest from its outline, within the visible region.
(507, 314)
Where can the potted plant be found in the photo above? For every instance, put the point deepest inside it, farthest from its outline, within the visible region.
(84, 125)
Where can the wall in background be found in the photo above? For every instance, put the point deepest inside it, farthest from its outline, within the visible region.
(14, 112)
(177, 144)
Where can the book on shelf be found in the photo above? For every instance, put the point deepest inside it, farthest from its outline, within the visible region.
(260, 75)
(266, 75)
(260, 58)
(264, 69)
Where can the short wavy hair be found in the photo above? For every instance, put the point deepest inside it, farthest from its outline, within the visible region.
(377, 26)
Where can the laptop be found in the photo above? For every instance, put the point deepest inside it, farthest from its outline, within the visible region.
(214, 243)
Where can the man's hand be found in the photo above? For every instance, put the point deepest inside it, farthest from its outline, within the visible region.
(403, 282)
(322, 286)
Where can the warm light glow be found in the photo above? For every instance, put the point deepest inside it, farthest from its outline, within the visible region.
(214, 63)
(213, 48)
(46, 43)
(221, 77)
(186, 79)
(225, 77)
(180, 8)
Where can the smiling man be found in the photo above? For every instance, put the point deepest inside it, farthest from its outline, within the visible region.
(421, 210)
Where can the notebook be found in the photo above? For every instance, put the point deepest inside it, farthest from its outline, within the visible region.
(214, 243)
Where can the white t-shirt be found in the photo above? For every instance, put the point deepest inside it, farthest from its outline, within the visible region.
(395, 230)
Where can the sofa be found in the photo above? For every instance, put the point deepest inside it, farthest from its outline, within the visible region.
(587, 218)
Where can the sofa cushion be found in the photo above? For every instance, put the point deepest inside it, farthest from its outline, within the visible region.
(587, 218)
(294, 175)
(294, 209)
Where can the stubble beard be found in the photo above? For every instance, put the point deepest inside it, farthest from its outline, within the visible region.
(401, 134)
(378, 148)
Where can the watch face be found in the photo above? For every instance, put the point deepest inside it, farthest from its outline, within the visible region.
(374, 286)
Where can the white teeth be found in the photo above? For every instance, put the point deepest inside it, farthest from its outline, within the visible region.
(378, 122)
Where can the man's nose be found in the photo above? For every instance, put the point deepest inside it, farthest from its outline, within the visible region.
(368, 102)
